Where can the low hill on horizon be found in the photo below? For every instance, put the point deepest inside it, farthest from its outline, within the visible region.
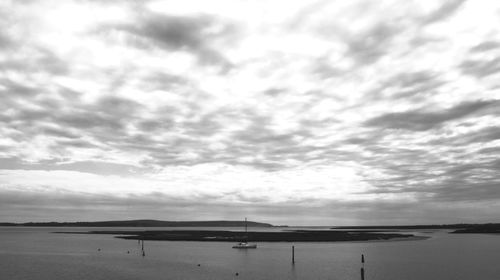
(142, 223)
(459, 228)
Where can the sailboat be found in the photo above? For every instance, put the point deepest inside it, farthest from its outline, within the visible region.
(245, 245)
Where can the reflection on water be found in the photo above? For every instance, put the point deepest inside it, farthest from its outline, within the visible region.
(36, 253)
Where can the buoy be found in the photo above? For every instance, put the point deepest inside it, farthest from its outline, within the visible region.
(199, 264)
(99, 249)
(237, 274)
(128, 252)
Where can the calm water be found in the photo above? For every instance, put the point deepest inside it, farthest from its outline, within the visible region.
(36, 253)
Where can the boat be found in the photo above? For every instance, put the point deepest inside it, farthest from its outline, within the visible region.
(244, 244)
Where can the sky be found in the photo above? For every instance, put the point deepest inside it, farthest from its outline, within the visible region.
(293, 112)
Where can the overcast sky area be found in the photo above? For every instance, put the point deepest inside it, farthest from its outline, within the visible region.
(288, 112)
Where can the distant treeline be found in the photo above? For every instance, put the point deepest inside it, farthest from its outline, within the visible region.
(484, 228)
(142, 223)
(452, 226)
(459, 228)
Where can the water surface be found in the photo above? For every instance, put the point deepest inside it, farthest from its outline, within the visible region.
(37, 253)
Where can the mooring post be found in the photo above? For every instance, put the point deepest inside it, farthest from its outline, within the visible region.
(143, 252)
(293, 254)
(362, 267)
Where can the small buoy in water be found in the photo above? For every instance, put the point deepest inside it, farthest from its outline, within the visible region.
(237, 274)
(99, 249)
(128, 252)
(199, 264)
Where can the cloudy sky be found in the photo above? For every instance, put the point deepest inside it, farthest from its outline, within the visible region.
(288, 112)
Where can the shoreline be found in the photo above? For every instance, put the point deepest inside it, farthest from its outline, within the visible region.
(398, 239)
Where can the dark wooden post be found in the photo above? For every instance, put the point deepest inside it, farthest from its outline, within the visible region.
(293, 254)
(362, 267)
(143, 252)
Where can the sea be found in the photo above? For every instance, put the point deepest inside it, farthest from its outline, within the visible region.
(37, 253)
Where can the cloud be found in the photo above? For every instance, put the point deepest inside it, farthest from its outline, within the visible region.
(420, 120)
(66, 205)
(15, 88)
(39, 60)
(447, 9)
(486, 46)
(369, 46)
(164, 81)
(197, 35)
(5, 41)
(411, 85)
(459, 190)
(91, 167)
(108, 112)
(481, 68)
(59, 132)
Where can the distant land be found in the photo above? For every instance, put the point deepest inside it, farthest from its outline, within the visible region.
(450, 226)
(485, 228)
(141, 223)
(237, 236)
(459, 228)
